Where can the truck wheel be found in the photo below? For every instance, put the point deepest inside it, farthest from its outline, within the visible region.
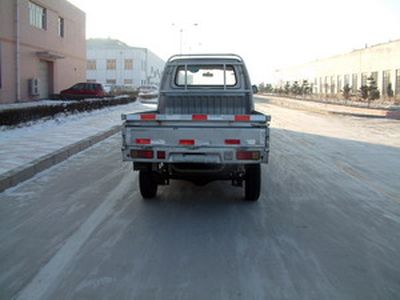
(252, 182)
(147, 184)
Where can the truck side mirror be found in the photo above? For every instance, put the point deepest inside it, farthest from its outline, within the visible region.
(255, 89)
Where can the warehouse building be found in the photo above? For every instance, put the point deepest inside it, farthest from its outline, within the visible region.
(114, 63)
(328, 76)
(42, 48)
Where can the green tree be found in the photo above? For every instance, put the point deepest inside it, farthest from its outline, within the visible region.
(287, 88)
(389, 90)
(261, 87)
(373, 92)
(295, 89)
(269, 88)
(305, 88)
(364, 92)
(346, 91)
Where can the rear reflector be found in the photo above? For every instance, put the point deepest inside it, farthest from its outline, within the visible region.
(186, 142)
(199, 117)
(232, 142)
(248, 155)
(142, 154)
(147, 117)
(161, 154)
(242, 118)
(143, 141)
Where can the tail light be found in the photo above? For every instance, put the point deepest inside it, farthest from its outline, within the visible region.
(147, 154)
(186, 142)
(248, 155)
(242, 118)
(147, 117)
(199, 117)
(232, 142)
(143, 141)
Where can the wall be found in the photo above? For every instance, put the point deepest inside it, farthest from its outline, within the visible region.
(66, 71)
(143, 59)
(377, 58)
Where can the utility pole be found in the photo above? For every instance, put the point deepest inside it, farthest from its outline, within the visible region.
(181, 29)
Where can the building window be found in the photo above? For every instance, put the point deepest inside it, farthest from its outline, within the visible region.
(91, 80)
(347, 79)
(374, 76)
(315, 90)
(111, 64)
(128, 64)
(320, 86)
(37, 15)
(111, 81)
(332, 85)
(61, 26)
(364, 79)
(326, 85)
(398, 82)
(128, 81)
(354, 83)
(91, 64)
(339, 84)
(385, 82)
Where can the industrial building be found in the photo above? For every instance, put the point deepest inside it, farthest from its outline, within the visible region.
(114, 63)
(328, 76)
(42, 48)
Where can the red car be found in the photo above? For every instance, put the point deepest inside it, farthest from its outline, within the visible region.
(84, 90)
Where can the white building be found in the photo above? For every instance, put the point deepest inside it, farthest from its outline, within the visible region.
(112, 62)
(328, 76)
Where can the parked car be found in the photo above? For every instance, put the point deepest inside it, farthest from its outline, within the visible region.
(148, 91)
(84, 90)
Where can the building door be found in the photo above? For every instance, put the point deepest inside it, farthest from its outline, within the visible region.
(44, 79)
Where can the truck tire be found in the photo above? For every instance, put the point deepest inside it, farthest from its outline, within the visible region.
(252, 185)
(147, 184)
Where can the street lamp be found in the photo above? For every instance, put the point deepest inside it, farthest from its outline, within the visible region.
(181, 28)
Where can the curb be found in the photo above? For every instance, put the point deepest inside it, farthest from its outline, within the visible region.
(23, 173)
(330, 109)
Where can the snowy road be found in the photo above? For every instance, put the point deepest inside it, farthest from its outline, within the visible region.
(327, 225)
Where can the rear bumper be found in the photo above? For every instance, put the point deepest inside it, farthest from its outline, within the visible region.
(206, 155)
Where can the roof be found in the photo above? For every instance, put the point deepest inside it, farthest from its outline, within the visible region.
(108, 44)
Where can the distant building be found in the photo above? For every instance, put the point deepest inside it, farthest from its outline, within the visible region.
(328, 76)
(112, 62)
(42, 48)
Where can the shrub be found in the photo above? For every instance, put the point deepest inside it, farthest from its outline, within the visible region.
(346, 91)
(16, 116)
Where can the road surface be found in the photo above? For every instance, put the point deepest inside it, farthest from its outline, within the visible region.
(327, 225)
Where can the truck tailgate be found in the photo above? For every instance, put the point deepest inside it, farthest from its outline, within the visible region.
(195, 138)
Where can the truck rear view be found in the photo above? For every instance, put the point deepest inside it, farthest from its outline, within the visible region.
(204, 129)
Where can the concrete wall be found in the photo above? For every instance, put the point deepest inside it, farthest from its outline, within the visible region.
(378, 58)
(72, 47)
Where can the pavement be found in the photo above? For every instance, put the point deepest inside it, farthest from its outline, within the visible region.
(326, 225)
(26, 151)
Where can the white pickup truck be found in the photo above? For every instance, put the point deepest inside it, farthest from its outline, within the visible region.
(204, 129)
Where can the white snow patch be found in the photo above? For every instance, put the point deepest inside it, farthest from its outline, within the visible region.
(19, 146)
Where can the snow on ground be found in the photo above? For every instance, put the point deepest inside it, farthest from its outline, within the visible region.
(31, 104)
(47, 102)
(20, 146)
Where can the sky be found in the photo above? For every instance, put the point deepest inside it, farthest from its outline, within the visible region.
(269, 35)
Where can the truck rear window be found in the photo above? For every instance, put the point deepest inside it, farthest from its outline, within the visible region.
(201, 75)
